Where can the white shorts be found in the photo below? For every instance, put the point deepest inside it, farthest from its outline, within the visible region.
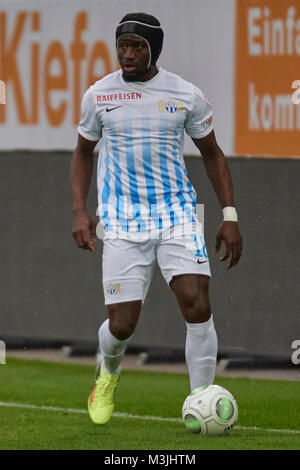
(127, 264)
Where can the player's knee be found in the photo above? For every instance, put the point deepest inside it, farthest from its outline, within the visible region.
(197, 308)
(121, 329)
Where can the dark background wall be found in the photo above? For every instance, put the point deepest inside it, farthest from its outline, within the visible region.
(52, 291)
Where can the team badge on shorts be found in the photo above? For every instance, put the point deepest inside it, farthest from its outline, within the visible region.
(112, 289)
(208, 122)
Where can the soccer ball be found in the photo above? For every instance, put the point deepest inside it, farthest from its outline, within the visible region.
(210, 410)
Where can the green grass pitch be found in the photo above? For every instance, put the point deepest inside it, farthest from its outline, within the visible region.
(269, 411)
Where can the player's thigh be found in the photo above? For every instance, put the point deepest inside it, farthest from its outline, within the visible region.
(126, 270)
(192, 293)
(185, 266)
(183, 253)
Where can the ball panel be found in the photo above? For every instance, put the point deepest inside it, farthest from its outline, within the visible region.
(214, 429)
(224, 408)
(192, 424)
(197, 390)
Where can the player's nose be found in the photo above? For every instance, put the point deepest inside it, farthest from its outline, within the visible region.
(129, 53)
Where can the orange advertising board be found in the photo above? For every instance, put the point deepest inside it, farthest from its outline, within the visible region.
(267, 62)
(43, 81)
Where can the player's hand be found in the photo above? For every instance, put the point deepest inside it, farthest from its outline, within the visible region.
(229, 233)
(84, 230)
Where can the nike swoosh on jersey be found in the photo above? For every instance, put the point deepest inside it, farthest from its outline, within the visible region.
(201, 262)
(111, 109)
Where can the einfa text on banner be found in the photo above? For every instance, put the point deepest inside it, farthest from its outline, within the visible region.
(267, 122)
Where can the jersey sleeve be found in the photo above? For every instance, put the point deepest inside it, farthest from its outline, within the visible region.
(199, 121)
(89, 126)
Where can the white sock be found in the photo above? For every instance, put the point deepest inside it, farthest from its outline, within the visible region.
(201, 349)
(112, 349)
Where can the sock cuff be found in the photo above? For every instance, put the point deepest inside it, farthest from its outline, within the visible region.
(200, 328)
(111, 373)
(112, 338)
(109, 345)
(118, 341)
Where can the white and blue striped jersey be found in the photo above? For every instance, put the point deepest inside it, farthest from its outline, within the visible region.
(141, 175)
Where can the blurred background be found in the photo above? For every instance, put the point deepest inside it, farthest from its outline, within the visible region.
(244, 55)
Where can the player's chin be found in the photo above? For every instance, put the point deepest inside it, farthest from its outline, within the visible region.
(132, 75)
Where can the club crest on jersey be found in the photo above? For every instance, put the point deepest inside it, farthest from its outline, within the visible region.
(113, 289)
(170, 106)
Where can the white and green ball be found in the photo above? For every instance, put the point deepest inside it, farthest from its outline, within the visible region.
(210, 410)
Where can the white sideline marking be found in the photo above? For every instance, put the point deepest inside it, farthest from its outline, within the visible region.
(127, 415)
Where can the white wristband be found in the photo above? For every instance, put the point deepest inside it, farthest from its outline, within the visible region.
(230, 214)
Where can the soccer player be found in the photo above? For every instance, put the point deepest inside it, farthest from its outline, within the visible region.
(147, 204)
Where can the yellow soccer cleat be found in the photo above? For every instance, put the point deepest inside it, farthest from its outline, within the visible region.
(101, 399)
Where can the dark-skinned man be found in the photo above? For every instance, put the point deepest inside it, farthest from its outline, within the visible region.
(147, 205)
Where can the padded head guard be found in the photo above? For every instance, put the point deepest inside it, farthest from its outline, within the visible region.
(145, 26)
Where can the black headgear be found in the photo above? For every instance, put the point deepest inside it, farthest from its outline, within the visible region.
(147, 27)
